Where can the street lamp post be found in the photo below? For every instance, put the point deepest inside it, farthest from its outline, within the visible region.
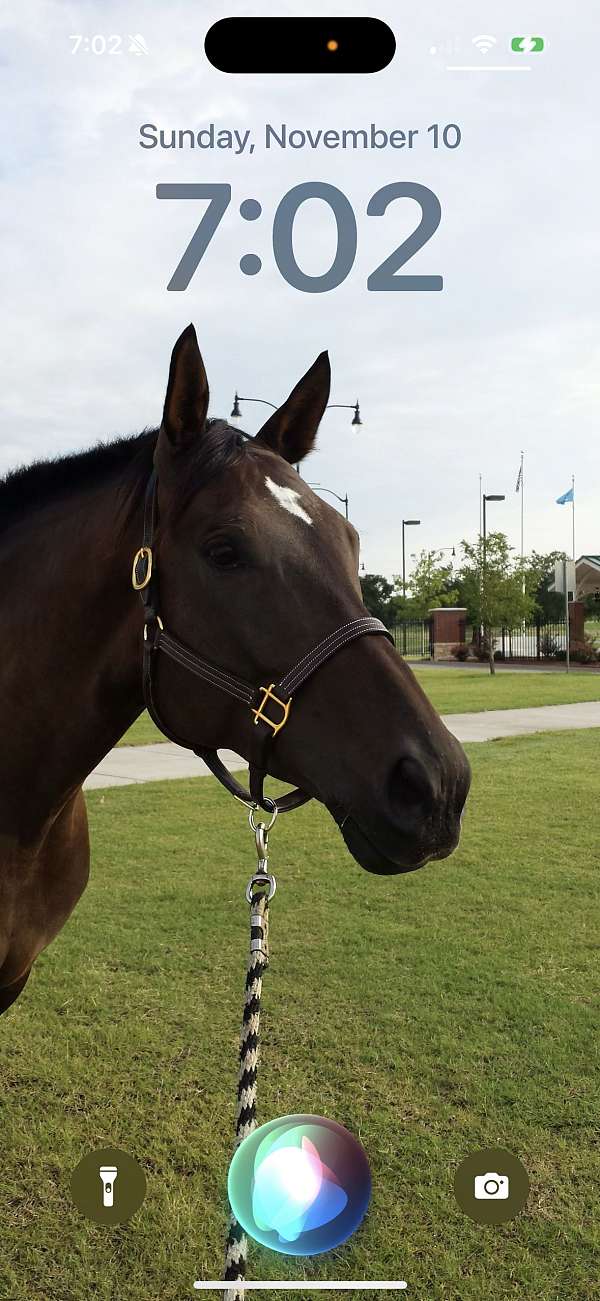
(236, 413)
(347, 406)
(344, 500)
(405, 524)
(487, 496)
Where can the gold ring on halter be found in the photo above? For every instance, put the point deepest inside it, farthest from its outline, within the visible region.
(144, 554)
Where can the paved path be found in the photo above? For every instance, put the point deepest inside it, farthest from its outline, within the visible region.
(492, 723)
(129, 764)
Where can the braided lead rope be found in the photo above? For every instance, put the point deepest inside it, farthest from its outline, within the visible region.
(236, 1248)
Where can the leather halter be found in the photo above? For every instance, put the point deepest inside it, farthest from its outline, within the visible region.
(270, 704)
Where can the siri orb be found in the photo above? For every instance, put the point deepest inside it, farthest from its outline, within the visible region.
(300, 1184)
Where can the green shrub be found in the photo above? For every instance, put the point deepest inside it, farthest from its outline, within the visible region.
(461, 651)
(584, 651)
(549, 647)
(481, 649)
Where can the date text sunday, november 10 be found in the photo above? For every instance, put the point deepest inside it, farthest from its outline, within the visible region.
(244, 141)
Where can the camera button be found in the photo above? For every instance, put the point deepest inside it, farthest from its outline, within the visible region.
(491, 1185)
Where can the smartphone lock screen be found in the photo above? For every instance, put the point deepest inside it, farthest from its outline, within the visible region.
(300, 653)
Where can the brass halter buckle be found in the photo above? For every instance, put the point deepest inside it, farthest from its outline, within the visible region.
(143, 556)
(284, 705)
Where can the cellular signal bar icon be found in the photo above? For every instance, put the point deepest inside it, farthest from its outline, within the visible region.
(484, 43)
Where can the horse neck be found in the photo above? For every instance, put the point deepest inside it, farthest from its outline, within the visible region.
(70, 676)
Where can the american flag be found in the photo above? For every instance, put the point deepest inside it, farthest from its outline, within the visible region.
(519, 478)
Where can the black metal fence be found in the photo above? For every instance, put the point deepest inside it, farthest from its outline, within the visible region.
(413, 638)
(530, 641)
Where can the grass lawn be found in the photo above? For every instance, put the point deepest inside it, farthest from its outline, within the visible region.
(433, 1014)
(143, 732)
(462, 691)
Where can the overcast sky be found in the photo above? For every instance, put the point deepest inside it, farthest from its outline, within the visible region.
(451, 384)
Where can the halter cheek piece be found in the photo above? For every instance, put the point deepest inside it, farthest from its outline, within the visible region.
(270, 705)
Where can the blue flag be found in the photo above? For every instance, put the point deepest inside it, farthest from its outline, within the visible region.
(567, 496)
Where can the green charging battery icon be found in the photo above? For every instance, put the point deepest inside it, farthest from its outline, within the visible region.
(527, 44)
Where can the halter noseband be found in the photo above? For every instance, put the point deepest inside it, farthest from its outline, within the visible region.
(263, 702)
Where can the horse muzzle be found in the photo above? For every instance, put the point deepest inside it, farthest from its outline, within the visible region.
(417, 819)
(407, 856)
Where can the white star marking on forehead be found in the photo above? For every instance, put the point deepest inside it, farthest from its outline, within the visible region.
(288, 498)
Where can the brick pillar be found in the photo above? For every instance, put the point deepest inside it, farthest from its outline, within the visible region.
(576, 622)
(449, 628)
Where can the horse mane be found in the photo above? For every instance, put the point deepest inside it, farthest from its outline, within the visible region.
(33, 486)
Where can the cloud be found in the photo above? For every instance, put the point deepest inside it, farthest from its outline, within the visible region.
(451, 385)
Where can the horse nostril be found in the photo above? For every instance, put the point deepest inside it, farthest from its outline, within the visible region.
(412, 784)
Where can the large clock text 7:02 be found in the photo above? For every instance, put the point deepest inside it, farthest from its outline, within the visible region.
(384, 278)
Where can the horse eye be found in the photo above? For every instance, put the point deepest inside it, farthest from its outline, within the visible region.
(224, 555)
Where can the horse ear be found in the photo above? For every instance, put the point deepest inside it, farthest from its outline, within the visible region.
(292, 429)
(186, 403)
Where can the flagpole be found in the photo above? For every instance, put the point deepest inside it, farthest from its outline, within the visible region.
(573, 504)
(522, 511)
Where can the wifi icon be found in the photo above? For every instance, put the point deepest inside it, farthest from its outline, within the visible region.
(484, 43)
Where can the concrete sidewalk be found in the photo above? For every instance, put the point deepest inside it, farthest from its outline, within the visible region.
(129, 764)
(492, 723)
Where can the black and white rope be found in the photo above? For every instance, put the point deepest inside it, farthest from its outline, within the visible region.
(236, 1249)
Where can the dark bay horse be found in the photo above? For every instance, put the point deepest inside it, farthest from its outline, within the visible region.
(254, 570)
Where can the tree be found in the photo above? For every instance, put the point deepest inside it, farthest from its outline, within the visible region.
(550, 604)
(431, 584)
(496, 588)
(592, 604)
(378, 596)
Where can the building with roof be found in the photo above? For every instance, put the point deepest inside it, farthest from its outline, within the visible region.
(587, 577)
